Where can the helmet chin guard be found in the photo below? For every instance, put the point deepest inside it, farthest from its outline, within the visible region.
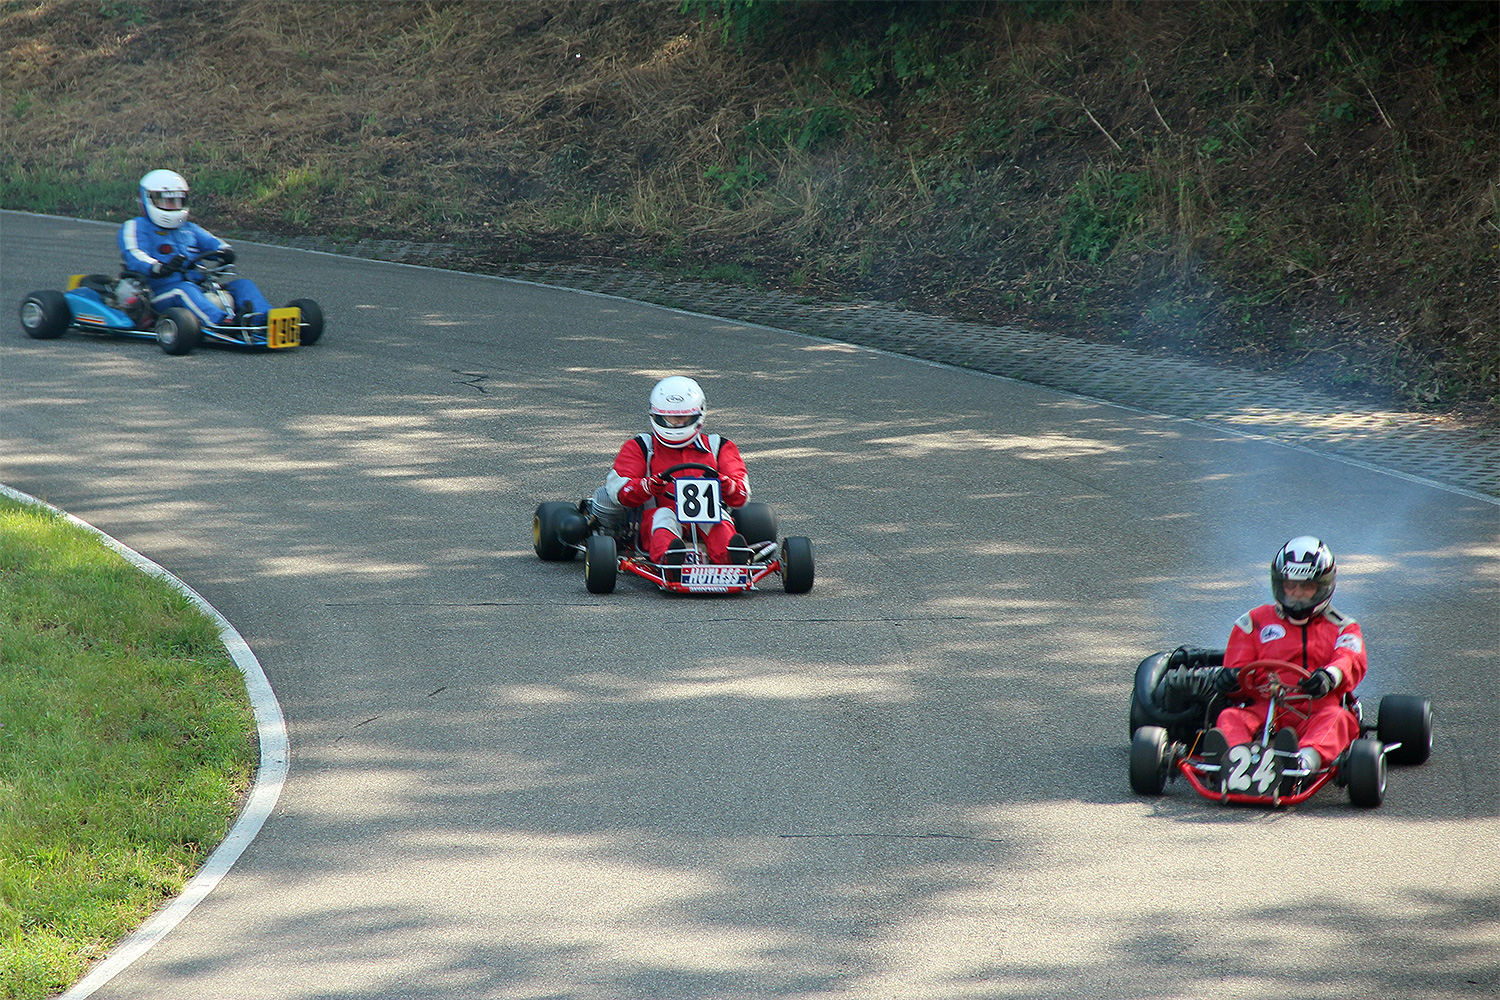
(677, 411)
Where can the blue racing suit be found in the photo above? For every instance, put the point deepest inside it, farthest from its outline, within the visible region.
(142, 245)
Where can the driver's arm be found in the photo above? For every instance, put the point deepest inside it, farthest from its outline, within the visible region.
(626, 481)
(734, 480)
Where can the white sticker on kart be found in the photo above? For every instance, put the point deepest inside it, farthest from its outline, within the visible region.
(1249, 767)
(715, 576)
(698, 501)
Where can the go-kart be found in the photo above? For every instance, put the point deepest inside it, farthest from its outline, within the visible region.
(1171, 710)
(100, 304)
(562, 530)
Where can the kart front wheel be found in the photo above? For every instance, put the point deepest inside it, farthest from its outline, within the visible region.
(1366, 773)
(796, 564)
(600, 564)
(544, 538)
(1148, 760)
(312, 320)
(178, 332)
(45, 315)
(1406, 720)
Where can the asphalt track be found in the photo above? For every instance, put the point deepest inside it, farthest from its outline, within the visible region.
(909, 783)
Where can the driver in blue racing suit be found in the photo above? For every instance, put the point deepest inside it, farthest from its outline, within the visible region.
(157, 246)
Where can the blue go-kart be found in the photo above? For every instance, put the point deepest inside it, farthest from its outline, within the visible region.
(97, 303)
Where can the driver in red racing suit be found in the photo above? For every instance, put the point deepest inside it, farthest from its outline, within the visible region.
(677, 412)
(1299, 627)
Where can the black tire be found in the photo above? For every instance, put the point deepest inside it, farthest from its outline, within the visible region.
(1365, 773)
(1406, 720)
(312, 320)
(757, 522)
(549, 547)
(796, 565)
(601, 563)
(45, 315)
(1148, 760)
(1138, 715)
(178, 331)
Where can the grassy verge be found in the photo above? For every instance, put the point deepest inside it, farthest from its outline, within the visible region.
(126, 741)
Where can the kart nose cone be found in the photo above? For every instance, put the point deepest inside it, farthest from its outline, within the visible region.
(572, 528)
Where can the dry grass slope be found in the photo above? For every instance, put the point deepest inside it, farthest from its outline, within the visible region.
(1310, 188)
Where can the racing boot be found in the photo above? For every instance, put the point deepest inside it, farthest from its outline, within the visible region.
(739, 550)
(674, 556)
(1213, 750)
(1287, 758)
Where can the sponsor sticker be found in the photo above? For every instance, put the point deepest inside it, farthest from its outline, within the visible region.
(1271, 633)
(716, 576)
(1349, 641)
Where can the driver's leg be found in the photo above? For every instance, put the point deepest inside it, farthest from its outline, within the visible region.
(249, 303)
(1328, 730)
(1242, 725)
(188, 296)
(664, 530)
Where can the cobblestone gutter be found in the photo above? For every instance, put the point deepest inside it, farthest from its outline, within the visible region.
(1427, 447)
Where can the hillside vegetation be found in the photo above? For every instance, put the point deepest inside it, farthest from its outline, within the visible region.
(1304, 187)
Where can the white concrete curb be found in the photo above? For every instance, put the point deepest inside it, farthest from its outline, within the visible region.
(269, 777)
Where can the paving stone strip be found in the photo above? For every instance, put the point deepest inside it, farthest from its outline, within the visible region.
(1428, 447)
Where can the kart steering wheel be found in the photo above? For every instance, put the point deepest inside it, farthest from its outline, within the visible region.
(1265, 678)
(671, 471)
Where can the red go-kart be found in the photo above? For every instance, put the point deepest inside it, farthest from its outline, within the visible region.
(1169, 714)
(561, 530)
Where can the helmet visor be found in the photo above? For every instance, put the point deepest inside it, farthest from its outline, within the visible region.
(169, 201)
(675, 420)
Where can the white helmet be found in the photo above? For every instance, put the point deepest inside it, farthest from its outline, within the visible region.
(164, 197)
(1304, 559)
(676, 410)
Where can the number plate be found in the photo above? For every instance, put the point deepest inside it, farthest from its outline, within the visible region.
(698, 501)
(284, 327)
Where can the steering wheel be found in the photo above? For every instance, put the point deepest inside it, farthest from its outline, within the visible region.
(1267, 678)
(671, 471)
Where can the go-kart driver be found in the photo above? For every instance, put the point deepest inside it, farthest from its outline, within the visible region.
(157, 246)
(677, 413)
(1301, 627)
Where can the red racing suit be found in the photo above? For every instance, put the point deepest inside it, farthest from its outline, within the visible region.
(1329, 639)
(628, 485)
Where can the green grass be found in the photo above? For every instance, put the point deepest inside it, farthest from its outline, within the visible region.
(126, 741)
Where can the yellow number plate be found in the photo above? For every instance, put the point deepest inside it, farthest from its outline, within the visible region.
(284, 327)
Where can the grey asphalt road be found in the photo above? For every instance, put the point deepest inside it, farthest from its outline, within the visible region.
(910, 783)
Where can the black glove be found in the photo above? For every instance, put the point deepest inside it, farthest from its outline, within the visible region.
(163, 268)
(226, 255)
(1318, 683)
(1224, 680)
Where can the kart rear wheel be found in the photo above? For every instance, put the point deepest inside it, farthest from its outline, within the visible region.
(1366, 773)
(544, 539)
(312, 320)
(600, 564)
(796, 564)
(1406, 720)
(1148, 760)
(178, 331)
(45, 315)
(757, 522)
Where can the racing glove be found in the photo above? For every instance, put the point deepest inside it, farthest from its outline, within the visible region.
(1319, 682)
(1222, 680)
(226, 254)
(162, 268)
(660, 488)
(734, 491)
